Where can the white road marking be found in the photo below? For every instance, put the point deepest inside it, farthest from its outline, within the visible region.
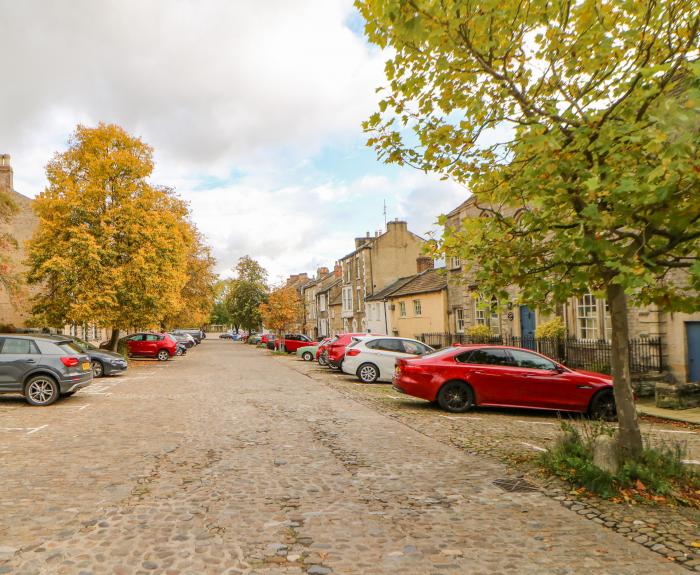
(535, 422)
(690, 461)
(27, 430)
(404, 397)
(535, 447)
(461, 417)
(675, 431)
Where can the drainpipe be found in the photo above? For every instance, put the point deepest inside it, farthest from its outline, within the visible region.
(386, 320)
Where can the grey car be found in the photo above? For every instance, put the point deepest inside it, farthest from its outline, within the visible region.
(42, 367)
(104, 362)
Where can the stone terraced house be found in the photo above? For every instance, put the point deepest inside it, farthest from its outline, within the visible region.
(586, 317)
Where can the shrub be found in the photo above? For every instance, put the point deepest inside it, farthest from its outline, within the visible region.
(657, 474)
(479, 332)
(554, 329)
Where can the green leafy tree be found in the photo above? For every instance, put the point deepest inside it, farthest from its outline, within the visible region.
(575, 126)
(108, 248)
(245, 294)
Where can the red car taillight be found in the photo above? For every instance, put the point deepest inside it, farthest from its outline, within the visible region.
(353, 352)
(69, 361)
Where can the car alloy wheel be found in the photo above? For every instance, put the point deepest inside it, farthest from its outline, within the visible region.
(179, 351)
(163, 355)
(41, 390)
(307, 356)
(322, 360)
(97, 368)
(603, 407)
(456, 397)
(368, 373)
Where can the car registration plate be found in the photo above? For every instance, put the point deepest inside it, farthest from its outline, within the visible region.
(86, 366)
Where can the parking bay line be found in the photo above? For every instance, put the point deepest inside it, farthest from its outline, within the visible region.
(535, 447)
(535, 422)
(30, 431)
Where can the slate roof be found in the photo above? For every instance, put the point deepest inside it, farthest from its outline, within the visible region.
(425, 282)
(385, 292)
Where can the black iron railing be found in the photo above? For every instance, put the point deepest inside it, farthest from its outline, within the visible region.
(594, 355)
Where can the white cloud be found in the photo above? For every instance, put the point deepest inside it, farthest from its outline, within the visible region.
(243, 100)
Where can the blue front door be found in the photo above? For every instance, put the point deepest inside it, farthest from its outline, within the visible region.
(693, 330)
(527, 327)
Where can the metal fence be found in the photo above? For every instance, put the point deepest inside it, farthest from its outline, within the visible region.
(594, 355)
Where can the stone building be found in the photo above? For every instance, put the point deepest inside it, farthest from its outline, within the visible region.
(586, 317)
(14, 308)
(376, 262)
(411, 305)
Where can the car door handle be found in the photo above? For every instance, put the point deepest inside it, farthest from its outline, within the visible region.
(30, 360)
(584, 387)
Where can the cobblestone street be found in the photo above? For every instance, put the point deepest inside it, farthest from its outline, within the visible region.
(230, 460)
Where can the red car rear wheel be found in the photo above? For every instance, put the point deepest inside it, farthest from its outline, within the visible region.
(456, 397)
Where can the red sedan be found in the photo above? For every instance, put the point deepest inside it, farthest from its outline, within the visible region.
(459, 378)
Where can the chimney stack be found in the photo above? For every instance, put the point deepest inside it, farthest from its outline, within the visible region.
(6, 173)
(424, 263)
(338, 270)
(321, 272)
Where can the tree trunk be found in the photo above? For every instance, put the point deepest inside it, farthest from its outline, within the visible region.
(114, 339)
(630, 437)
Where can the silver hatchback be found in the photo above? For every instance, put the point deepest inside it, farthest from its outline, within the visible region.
(42, 367)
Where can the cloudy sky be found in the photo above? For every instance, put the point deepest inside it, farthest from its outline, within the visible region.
(253, 107)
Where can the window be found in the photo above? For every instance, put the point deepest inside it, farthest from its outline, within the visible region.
(455, 263)
(417, 310)
(485, 357)
(531, 360)
(393, 345)
(18, 346)
(607, 322)
(347, 298)
(322, 302)
(402, 309)
(459, 320)
(587, 317)
(137, 337)
(71, 347)
(153, 337)
(357, 267)
(415, 348)
(490, 317)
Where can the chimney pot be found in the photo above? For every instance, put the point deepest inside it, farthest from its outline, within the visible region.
(6, 172)
(424, 263)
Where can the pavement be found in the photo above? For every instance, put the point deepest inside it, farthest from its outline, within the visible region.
(691, 415)
(231, 460)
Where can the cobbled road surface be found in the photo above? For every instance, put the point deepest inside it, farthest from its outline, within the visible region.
(230, 461)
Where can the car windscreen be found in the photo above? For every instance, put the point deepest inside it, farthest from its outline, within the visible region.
(70, 347)
(84, 345)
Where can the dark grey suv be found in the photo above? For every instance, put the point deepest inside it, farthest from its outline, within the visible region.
(42, 367)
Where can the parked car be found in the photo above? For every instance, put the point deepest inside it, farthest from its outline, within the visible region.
(267, 339)
(197, 334)
(146, 344)
(309, 352)
(229, 335)
(321, 352)
(254, 339)
(374, 358)
(293, 341)
(42, 367)
(104, 362)
(335, 352)
(459, 378)
(184, 338)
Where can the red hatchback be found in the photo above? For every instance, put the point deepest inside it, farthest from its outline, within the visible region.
(335, 352)
(158, 345)
(458, 378)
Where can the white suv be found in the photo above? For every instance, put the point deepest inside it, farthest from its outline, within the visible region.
(374, 358)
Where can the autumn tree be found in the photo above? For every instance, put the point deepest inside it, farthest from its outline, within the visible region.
(198, 292)
(108, 248)
(576, 127)
(246, 292)
(282, 310)
(8, 279)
